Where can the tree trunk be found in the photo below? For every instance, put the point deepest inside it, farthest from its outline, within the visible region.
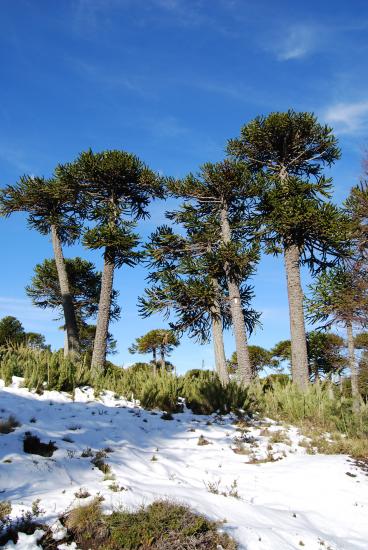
(299, 355)
(218, 346)
(218, 340)
(316, 372)
(154, 353)
(103, 318)
(66, 344)
(353, 368)
(71, 325)
(162, 358)
(244, 366)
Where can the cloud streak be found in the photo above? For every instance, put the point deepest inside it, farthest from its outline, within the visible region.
(348, 117)
(297, 42)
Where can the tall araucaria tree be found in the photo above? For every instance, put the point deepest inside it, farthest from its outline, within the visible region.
(180, 286)
(222, 195)
(290, 150)
(117, 188)
(51, 210)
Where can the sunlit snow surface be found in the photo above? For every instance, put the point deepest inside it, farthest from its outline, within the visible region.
(299, 500)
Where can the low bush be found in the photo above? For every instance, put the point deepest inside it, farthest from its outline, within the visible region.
(7, 426)
(162, 525)
(27, 523)
(33, 445)
(204, 394)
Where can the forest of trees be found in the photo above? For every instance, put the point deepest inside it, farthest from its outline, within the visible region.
(270, 195)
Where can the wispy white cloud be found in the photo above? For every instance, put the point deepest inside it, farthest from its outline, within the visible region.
(348, 117)
(33, 318)
(112, 79)
(296, 42)
(15, 157)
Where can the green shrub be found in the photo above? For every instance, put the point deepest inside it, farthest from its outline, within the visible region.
(204, 393)
(162, 525)
(321, 405)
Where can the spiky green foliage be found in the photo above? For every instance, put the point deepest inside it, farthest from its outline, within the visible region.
(187, 272)
(42, 369)
(161, 340)
(339, 295)
(115, 189)
(292, 141)
(85, 287)
(321, 406)
(47, 202)
(290, 150)
(87, 333)
(260, 359)
(12, 332)
(161, 525)
(356, 206)
(325, 353)
(204, 394)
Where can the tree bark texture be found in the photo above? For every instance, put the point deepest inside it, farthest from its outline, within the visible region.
(103, 318)
(72, 346)
(244, 366)
(162, 358)
(154, 353)
(218, 342)
(299, 356)
(353, 368)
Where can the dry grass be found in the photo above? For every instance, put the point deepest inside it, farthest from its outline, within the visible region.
(162, 525)
(7, 426)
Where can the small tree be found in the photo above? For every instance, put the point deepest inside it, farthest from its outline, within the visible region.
(289, 150)
(260, 359)
(340, 296)
(50, 206)
(325, 356)
(116, 188)
(84, 288)
(12, 332)
(157, 340)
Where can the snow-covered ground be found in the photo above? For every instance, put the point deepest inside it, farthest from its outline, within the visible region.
(298, 500)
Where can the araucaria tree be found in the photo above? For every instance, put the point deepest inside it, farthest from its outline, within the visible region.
(50, 206)
(289, 150)
(116, 188)
(84, 287)
(340, 296)
(221, 196)
(157, 340)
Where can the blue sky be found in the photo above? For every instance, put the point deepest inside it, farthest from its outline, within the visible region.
(170, 80)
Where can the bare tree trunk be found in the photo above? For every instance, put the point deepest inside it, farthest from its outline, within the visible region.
(162, 358)
(353, 368)
(316, 372)
(299, 355)
(218, 346)
(154, 353)
(71, 325)
(66, 344)
(241, 343)
(218, 340)
(103, 318)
